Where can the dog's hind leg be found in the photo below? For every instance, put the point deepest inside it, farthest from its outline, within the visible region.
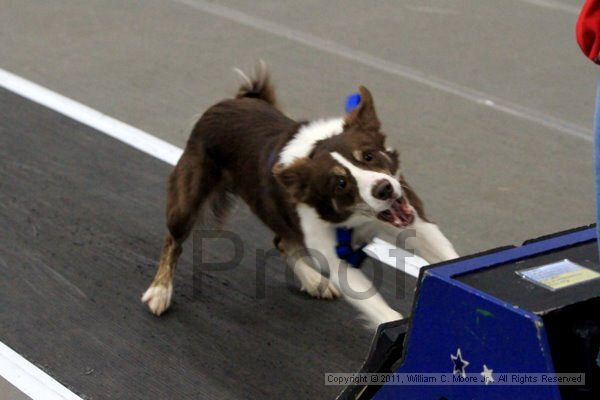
(190, 184)
(158, 295)
(221, 201)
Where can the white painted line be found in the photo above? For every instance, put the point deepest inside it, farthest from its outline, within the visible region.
(431, 10)
(88, 116)
(395, 257)
(403, 71)
(29, 379)
(555, 5)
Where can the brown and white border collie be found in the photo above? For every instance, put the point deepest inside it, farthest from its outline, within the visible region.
(303, 180)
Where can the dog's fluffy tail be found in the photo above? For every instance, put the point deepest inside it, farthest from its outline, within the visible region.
(258, 85)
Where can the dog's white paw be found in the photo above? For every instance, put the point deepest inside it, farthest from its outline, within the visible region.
(158, 298)
(373, 320)
(392, 316)
(320, 288)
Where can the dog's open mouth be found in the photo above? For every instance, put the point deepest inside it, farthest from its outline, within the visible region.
(400, 214)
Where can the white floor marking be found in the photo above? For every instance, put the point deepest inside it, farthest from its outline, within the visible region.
(431, 10)
(88, 116)
(328, 46)
(400, 259)
(29, 379)
(555, 5)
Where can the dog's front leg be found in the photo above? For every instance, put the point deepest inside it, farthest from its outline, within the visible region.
(355, 287)
(425, 238)
(429, 242)
(311, 281)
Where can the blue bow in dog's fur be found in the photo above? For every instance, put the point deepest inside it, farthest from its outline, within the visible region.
(352, 102)
(344, 248)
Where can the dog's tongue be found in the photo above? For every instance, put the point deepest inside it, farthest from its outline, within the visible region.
(400, 214)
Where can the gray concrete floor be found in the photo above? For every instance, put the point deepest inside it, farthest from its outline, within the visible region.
(9, 392)
(490, 175)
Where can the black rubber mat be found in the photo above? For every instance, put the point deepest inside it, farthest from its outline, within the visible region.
(81, 226)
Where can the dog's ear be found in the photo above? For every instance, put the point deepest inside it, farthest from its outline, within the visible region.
(364, 115)
(294, 178)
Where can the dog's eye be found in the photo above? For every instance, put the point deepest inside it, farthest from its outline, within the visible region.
(341, 184)
(367, 156)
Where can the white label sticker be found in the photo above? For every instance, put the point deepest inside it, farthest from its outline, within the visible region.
(558, 275)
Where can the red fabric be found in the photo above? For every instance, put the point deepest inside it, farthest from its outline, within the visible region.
(588, 30)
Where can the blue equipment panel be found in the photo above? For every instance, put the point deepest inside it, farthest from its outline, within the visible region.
(478, 319)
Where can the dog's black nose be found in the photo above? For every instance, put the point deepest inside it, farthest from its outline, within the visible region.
(383, 190)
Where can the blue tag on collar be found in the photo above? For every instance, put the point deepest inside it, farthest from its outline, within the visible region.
(352, 102)
(344, 248)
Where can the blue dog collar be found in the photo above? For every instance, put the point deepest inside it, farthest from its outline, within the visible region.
(344, 248)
